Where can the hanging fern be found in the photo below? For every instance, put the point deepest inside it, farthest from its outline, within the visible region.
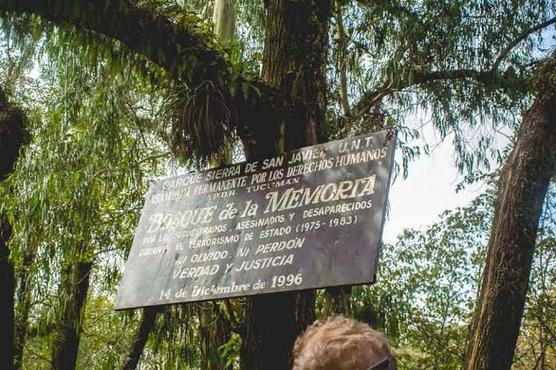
(203, 125)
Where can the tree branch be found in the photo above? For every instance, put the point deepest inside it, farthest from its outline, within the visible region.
(490, 78)
(342, 60)
(177, 49)
(522, 36)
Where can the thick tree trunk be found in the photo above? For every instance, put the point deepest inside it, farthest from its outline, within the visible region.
(13, 132)
(73, 293)
(522, 189)
(294, 61)
(140, 339)
(273, 323)
(22, 308)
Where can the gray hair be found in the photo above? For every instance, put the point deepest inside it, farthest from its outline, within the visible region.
(342, 344)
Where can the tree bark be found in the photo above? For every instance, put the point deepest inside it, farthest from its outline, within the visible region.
(522, 190)
(224, 20)
(294, 60)
(140, 339)
(13, 132)
(73, 293)
(341, 59)
(337, 301)
(273, 322)
(294, 63)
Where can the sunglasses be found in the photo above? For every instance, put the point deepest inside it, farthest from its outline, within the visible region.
(385, 364)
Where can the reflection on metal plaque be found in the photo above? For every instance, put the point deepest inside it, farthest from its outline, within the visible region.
(310, 218)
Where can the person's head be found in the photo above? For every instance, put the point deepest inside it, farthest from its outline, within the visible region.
(342, 344)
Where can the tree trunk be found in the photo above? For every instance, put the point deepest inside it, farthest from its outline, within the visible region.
(6, 297)
(337, 301)
(222, 334)
(214, 331)
(140, 339)
(23, 306)
(73, 293)
(224, 20)
(294, 60)
(522, 189)
(13, 132)
(342, 59)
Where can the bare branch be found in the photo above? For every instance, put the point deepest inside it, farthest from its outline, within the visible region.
(489, 78)
(522, 36)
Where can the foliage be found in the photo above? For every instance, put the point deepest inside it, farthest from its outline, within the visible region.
(85, 172)
(104, 114)
(426, 287)
(427, 283)
(230, 350)
(447, 59)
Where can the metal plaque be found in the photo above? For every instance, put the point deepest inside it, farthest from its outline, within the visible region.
(309, 218)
